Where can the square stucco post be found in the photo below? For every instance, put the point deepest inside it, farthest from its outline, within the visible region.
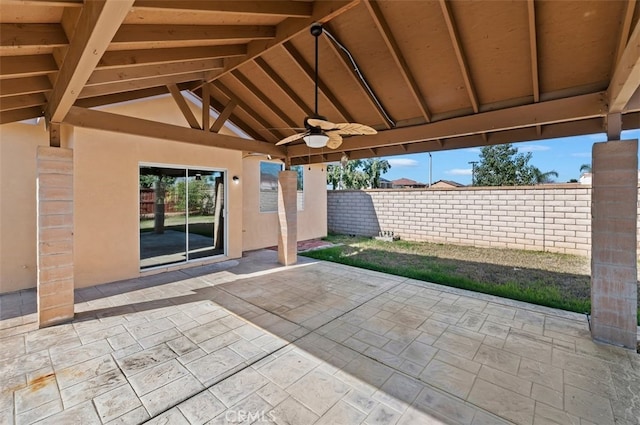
(287, 217)
(614, 284)
(55, 235)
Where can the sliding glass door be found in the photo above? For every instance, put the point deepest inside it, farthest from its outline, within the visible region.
(181, 215)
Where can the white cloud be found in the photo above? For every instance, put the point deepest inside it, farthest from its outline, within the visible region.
(533, 148)
(581, 154)
(459, 171)
(403, 162)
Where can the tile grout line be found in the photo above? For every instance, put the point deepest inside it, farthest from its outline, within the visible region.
(309, 331)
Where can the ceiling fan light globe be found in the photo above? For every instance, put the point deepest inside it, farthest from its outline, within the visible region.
(316, 140)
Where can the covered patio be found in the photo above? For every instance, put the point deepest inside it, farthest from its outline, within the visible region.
(251, 341)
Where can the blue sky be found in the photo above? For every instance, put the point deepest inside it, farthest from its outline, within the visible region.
(564, 155)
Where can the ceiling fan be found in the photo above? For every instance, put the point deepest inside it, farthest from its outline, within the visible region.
(318, 131)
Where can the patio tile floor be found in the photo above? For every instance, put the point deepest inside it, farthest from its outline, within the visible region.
(248, 341)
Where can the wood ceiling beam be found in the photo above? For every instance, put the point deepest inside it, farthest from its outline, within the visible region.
(20, 115)
(135, 33)
(16, 37)
(323, 11)
(236, 120)
(258, 118)
(282, 85)
(98, 22)
(27, 66)
(125, 58)
(118, 97)
(347, 67)
(398, 58)
(554, 131)
(112, 75)
(308, 71)
(626, 78)
(22, 101)
(568, 109)
(263, 7)
(264, 99)
(206, 106)
(146, 83)
(45, 3)
(457, 47)
(183, 106)
(105, 121)
(29, 85)
(625, 29)
(223, 116)
(533, 50)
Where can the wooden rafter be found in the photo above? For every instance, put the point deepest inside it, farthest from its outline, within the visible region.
(625, 29)
(117, 87)
(626, 78)
(561, 110)
(97, 25)
(398, 58)
(24, 36)
(275, 134)
(24, 101)
(323, 11)
(457, 47)
(109, 99)
(262, 7)
(206, 106)
(282, 85)
(106, 121)
(134, 58)
(106, 76)
(167, 34)
(346, 66)
(20, 114)
(264, 99)
(236, 120)
(223, 117)
(29, 85)
(308, 71)
(28, 66)
(184, 107)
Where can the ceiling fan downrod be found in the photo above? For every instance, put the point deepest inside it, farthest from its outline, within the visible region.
(316, 31)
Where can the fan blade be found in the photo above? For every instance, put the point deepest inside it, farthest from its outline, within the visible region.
(335, 139)
(352, 129)
(324, 125)
(291, 138)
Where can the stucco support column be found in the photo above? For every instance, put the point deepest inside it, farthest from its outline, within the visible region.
(55, 235)
(614, 284)
(287, 217)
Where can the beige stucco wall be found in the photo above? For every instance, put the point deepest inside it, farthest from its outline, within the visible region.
(18, 145)
(106, 233)
(260, 229)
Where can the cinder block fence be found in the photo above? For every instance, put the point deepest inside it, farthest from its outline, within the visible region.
(555, 218)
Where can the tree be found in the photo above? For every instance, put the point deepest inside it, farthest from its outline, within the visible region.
(540, 177)
(357, 174)
(373, 168)
(502, 165)
(585, 168)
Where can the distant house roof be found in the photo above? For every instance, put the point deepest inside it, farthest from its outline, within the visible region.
(405, 182)
(447, 183)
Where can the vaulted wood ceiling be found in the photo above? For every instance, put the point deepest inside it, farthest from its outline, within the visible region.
(448, 74)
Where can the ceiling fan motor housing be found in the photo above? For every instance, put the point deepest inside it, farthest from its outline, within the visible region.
(312, 128)
(316, 29)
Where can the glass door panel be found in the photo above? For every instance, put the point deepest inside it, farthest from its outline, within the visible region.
(163, 216)
(205, 213)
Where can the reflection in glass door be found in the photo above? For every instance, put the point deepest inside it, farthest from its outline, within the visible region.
(181, 215)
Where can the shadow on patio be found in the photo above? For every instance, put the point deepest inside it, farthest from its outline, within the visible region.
(249, 340)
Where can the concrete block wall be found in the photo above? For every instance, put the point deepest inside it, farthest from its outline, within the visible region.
(544, 218)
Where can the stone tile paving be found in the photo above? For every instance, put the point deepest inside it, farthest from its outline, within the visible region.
(251, 342)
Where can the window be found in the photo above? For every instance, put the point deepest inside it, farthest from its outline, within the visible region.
(269, 186)
(181, 214)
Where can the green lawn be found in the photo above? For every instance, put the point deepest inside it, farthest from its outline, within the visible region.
(553, 280)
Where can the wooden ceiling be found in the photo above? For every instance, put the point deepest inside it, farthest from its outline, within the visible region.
(449, 74)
